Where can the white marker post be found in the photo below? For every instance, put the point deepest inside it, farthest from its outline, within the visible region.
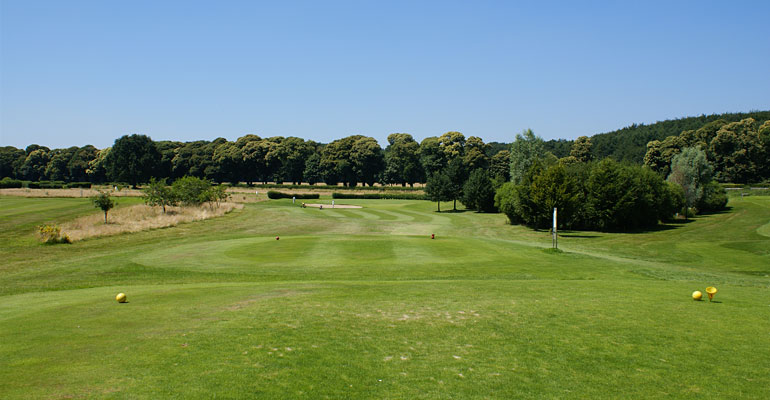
(293, 199)
(555, 237)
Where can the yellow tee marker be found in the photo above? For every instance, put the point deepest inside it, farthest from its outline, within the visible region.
(711, 291)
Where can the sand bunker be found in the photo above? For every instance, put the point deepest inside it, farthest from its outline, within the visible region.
(330, 206)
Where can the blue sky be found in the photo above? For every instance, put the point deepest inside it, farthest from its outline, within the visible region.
(87, 72)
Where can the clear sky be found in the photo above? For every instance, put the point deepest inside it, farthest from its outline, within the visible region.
(87, 72)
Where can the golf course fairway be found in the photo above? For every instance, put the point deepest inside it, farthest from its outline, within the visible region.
(361, 303)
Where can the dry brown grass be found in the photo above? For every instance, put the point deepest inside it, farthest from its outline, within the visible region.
(68, 192)
(140, 218)
(236, 195)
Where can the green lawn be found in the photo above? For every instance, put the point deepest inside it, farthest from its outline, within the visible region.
(361, 303)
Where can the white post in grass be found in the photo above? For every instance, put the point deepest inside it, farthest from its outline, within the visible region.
(555, 237)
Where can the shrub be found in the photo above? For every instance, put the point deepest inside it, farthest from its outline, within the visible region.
(601, 196)
(478, 193)
(505, 201)
(280, 195)
(156, 193)
(192, 191)
(32, 185)
(390, 196)
(51, 184)
(334, 187)
(714, 198)
(81, 185)
(51, 234)
(10, 183)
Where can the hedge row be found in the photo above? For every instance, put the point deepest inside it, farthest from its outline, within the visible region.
(391, 196)
(280, 195)
(7, 183)
(10, 183)
(332, 187)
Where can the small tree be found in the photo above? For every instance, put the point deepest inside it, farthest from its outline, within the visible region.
(158, 194)
(104, 202)
(457, 174)
(439, 188)
(192, 191)
(219, 194)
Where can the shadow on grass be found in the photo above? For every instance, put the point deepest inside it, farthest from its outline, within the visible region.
(578, 234)
(725, 211)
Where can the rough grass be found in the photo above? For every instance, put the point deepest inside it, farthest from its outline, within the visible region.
(361, 303)
(141, 217)
(73, 192)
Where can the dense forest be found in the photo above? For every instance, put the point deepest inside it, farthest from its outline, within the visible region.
(629, 144)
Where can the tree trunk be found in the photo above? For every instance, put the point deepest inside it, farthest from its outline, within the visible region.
(454, 205)
(438, 203)
(105, 217)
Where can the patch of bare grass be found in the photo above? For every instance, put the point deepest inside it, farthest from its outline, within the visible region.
(140, 218)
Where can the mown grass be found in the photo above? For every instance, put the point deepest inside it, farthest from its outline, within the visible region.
(361, 303)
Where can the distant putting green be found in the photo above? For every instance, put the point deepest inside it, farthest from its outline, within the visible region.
(361, 303)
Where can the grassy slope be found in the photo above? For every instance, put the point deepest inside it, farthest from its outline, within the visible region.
(359, 303)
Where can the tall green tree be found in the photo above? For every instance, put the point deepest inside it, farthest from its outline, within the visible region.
(457, 172)
(97, 168)
(312, 171)
(402, 160)
(227, 160)
(478, 193)
(77, 167)
(500, 166)
(351, 160)
(738, 152)
(191, 158)
(764, 138)
(56, 170)
(581, 149)
(452, 144)
(35, 164)
(432, 157)
(11, 160)
(691, 170)
(525, 151)
(291, 153)
(439, 188)
(367, 159)
(253, 164)
(133, 159)
(475, 156)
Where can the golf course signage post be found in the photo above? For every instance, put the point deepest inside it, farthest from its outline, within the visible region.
(553, 231)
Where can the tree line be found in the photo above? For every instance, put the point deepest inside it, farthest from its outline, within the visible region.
(525, 179)
(605, 194)
(351, 161)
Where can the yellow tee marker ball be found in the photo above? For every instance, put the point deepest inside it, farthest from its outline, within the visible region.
(697, 295)
(121, 297)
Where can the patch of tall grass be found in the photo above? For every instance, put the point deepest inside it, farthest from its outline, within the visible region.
(140, 218)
